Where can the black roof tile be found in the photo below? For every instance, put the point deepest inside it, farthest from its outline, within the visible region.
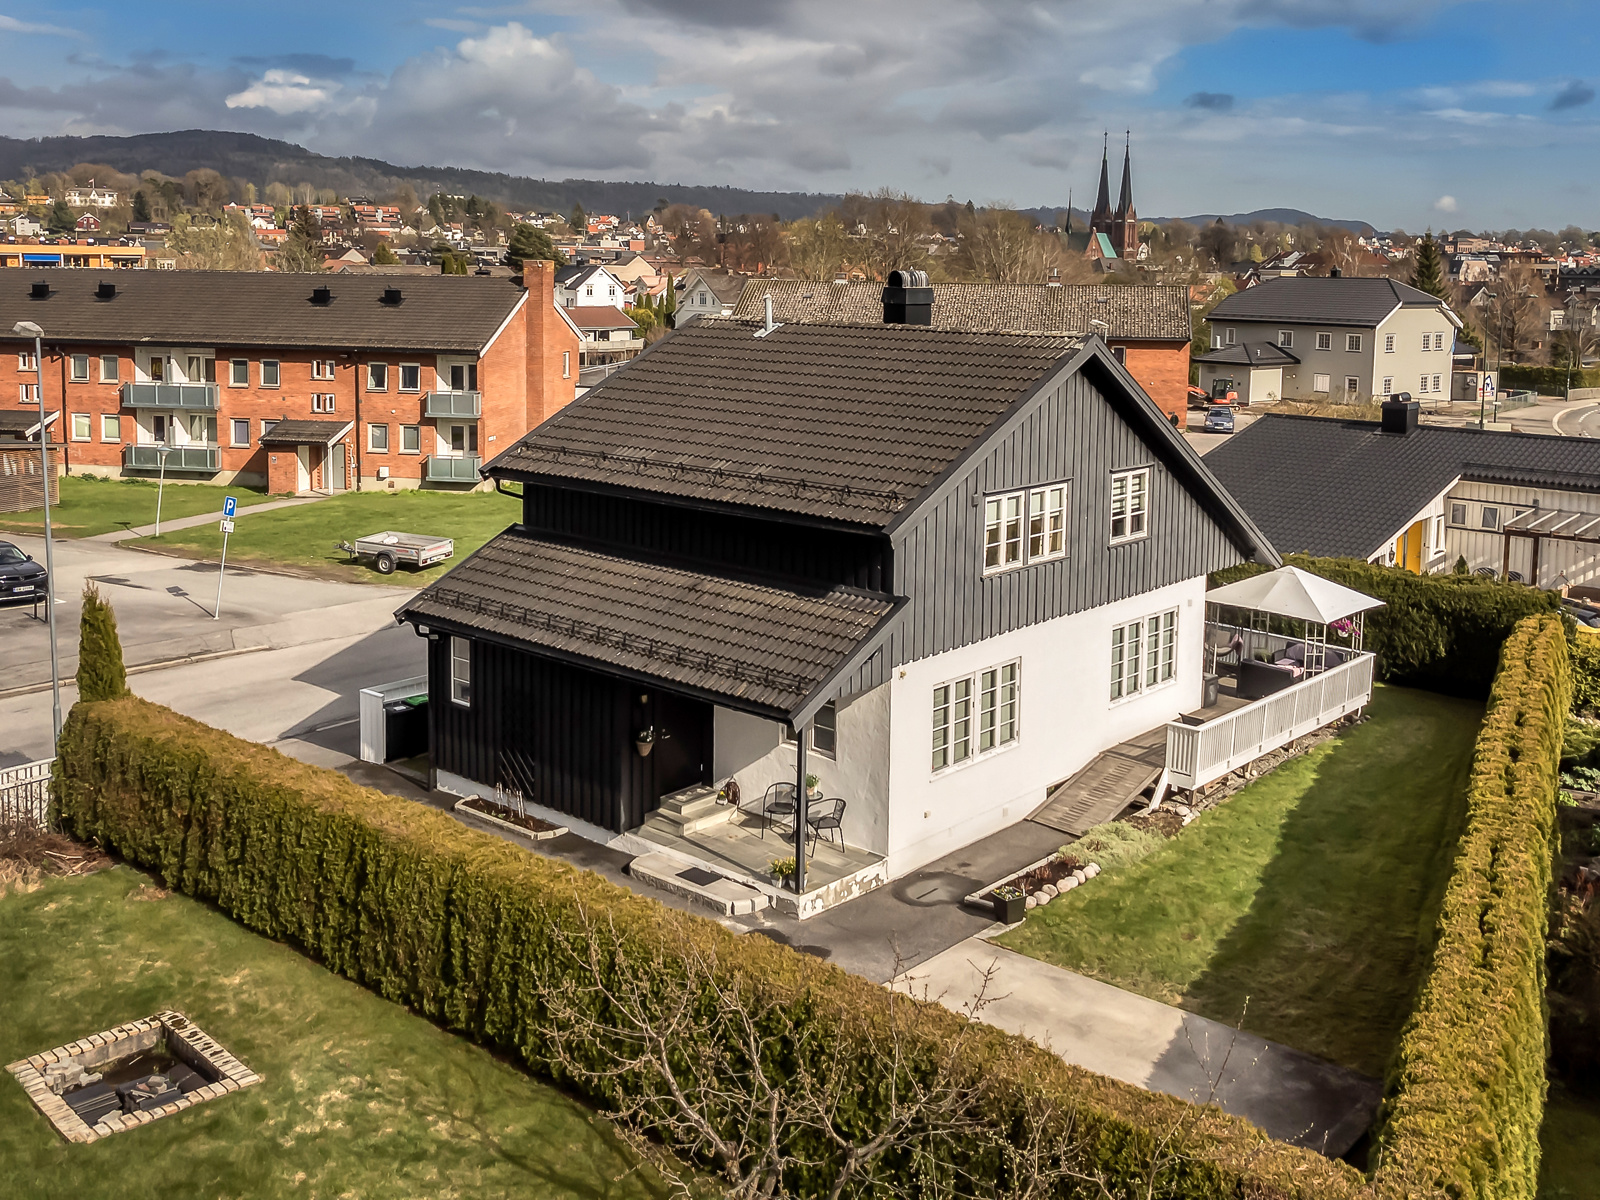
(1315, 299)
(849, 423)
(754, 644)
(304, 433)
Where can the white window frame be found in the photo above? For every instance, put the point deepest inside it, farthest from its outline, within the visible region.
(1324, 341)
(1438, 341)
(1438, 383)
(461, 671)
(1438, 533)
(1286, 339)
(416, 434)
(1388, 343)
(400, 382)
(1422, 385)
(1427, 342)
(29, 393)
(1458, 513)
(111, 421)
(1352, 343)
(1352, 384)
(826, 747)
(1388, 385)
(74, 374)
(1228, 334)
(976, 716)
(233, 431)
(1134, 488)
(378, 382)
(25, 361)
(952, 724)
(115, 374)
(266, 425)
(324, 402)
(999, 706)
(239, 373)
(87, 427)
(1144, 655)
(372, 429)
(1490, 519)
(566, 364)
(274, 377)
(1005, 525)
(322, 368)
(1047, 522)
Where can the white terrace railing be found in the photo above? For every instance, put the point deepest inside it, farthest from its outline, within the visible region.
(1200, 754)
(25, 793)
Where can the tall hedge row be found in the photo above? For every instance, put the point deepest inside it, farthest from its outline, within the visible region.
(1549, 381)
(1441, 632)
(1467, 1097)
(462, 928)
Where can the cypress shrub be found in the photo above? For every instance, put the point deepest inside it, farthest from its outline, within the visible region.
(1467, 1095)
(466, 929)
(101, 675)
(1440, 632)
(1586, 671)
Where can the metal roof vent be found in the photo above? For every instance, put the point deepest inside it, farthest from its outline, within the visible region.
(907, 299)
(106, 290)
(40, 290)
(1400, 414)
(322, 295)
(391, 296)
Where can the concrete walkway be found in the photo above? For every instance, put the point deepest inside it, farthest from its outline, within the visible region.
(122, 535)
(1291, 1095)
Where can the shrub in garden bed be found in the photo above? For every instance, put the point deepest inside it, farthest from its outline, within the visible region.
(571, 975)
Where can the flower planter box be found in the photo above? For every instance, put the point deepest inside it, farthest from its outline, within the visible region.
(493, 824)
(1008, 911)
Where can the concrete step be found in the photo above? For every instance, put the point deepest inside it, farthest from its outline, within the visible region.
(703, 888)
(697, 798)
(690, 811)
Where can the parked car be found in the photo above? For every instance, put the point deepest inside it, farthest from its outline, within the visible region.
(1581, 613)
(20, 577)
(1219, 420)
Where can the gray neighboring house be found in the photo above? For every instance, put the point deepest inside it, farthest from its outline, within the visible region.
(708, 294)
(1331, 336)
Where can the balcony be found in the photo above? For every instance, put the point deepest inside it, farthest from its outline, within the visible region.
(453, 404)
(439, 469)
(201, 459)
(190, 396)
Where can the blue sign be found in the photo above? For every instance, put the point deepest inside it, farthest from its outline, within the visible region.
(229, 507)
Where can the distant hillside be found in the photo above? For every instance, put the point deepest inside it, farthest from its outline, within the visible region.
(262, 160)
(1284, 216)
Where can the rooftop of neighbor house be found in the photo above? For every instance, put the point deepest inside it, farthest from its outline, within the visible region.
(844, 422)
(442, 313)
(761, 643)
(726, 287)
(1331, 487)
(1138, 312)
(1323, 300)
(599, 316)
(1249, 354)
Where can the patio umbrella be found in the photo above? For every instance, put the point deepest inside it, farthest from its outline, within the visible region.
(1291, 592)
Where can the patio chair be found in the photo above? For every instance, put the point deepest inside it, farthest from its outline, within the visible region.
(829, 822)
(777, 804)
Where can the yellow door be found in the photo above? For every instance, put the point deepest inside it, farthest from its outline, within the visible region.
(1411, 548)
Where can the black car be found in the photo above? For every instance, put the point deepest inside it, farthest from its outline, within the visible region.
(20, 577)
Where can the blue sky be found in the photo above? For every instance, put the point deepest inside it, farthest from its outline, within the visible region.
(1480, 113)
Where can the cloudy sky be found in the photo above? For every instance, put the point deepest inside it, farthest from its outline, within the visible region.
(1477, 113)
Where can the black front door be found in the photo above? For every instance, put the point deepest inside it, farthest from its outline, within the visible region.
(683, 743)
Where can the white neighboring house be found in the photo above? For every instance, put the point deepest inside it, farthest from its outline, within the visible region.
(92, 197)
(25, 226)
(1333, 336)
(705, 293)
(585, 285)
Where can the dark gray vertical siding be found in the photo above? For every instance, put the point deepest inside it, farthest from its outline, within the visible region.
(1071, 434)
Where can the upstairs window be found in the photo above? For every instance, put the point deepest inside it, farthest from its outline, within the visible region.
(1324, 341)
(322, 402)
(464, 378)
(110, 368)
(410, 377)
(1352, 342)
(461, 671)
(239, 372)
(322, 368)
(269, 372)
(1427, 342)
(1438, 341)
(1130, 505)
(1491, 517)
(1229, 335)
(377, 377)
(1286, 338)
(80, 368)
(1047, 523)
(1458, 514)
(1388, 343)
(1002, 531)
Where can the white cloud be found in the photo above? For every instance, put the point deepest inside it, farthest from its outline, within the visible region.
(1445, 204)
(284, 92)
(12, 25)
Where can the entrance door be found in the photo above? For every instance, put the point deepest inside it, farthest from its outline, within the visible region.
(683, 743)
(302, 459)
(334, 480)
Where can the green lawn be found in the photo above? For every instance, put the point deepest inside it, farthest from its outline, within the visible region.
(1306, 902)
(91, 505)
(305, 535)
(1569, 1164)
(359, 1098)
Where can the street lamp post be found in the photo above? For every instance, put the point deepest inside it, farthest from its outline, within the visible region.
(30, 329)
(161, 482)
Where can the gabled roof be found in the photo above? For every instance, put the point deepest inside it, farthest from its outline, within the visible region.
(599, 316)
(1319, 300)
(305, 433)
(725, 287)
(830, 421)
(1135, 312)
(1250, 354)
(22, 422)
(757, 644)
(262, 308)
(1345, 488)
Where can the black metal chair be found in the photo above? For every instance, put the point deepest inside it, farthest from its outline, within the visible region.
(829, 822)
(777, 803)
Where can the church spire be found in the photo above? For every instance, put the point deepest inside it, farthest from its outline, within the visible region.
(1125, 201)
(1100, 219)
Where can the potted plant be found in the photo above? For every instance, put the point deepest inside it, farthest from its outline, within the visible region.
(1009, 904)
(813, 791)
(645, 741)
(781, 869)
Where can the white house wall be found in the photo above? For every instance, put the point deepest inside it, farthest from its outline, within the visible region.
(1559, 562)
(1067, 718)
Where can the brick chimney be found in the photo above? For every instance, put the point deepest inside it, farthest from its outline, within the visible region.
(552, 346)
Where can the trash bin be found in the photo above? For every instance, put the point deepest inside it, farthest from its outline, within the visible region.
(405, 728)
(1209, 691)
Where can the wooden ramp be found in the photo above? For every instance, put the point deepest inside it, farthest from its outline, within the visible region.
(1106, 786)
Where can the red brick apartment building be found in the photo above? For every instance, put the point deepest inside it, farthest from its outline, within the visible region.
(295, 382)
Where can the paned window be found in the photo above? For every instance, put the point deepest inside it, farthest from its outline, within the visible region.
(28, 393)
(824, 737)
(1427, 342)
(1286, 338)
(322, 402)
(322, 368)
(997, 707)
(461, 671)
(1230, 336)
(377, 377)
(26, 361)
(1144, 654)
(1352, 342)
(1047, 523)
(1388, 385)
(269, 372)
(1388, 343)
(1130, 504)
(1002, 531)
(1422, 385)
(80, 368)
(1324, 341)
(1352, 384)
(1438, 341)
(410, 377)
(1436, 383)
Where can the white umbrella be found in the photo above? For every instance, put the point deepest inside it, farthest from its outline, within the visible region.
(1291, 592)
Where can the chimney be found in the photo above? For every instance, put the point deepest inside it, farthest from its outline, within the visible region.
(1400, 414)
(391, 296)
(106, 290)
(322, 294)
(39, 290)
(907, 299)
(1335, 273)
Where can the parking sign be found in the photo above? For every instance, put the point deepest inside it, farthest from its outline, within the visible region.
(229, 506)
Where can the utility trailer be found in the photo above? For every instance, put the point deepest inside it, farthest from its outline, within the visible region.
(389, 549)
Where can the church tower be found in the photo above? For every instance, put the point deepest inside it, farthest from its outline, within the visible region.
(1125, 223)
(1100, 220)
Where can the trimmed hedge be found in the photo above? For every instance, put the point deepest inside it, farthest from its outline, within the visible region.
(1550, 381)
(1586, 671)
(462, 927)
(1440, 632)
(1467, 1096)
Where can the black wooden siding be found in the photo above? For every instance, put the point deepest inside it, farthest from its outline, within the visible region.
(1071, 434)
(799, 551)
(567, 731)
